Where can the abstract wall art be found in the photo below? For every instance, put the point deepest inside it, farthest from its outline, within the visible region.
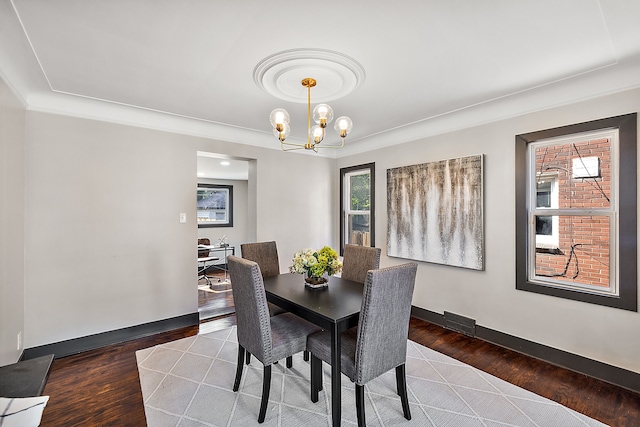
(435, 212)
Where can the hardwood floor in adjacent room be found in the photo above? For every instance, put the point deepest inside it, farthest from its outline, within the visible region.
(215, 300)
(101, 387)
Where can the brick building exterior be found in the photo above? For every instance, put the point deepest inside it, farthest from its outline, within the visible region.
(576, 176)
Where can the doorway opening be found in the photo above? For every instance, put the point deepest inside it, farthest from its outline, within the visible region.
(216, 171)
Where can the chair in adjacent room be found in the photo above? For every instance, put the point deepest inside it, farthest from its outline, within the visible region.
(357, 260)
(268, 338)
(204, 259)
(379, 342)
(203, 241)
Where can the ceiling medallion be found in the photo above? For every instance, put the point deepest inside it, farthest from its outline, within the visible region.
(281, 74)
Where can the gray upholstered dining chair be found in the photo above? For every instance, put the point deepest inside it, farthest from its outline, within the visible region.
(357, 260)
(379, 342)
(265, 254)
(268, 338)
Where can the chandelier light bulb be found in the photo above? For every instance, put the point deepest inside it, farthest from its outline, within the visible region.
(317, 134)
(282, 133)
(343, 126)
(322, 114)
(278, 118)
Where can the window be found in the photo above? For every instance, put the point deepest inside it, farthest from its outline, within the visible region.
(576, 212)
(546, 225)
(215, 205)
(357, 205)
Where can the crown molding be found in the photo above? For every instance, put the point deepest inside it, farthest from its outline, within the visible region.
(607, 80)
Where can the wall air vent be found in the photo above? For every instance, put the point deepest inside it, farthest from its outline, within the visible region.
(461, 324)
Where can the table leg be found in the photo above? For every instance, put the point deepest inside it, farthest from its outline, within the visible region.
(336, 381)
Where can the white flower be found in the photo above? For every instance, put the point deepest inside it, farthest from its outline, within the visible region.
(305, 259)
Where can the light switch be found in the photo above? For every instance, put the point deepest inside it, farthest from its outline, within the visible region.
(183, 217)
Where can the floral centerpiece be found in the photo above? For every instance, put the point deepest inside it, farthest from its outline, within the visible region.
(315, 264)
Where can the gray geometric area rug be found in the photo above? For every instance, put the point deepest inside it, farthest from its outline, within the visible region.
(188, 383)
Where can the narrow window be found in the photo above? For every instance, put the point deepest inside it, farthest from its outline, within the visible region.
(357, 205)
(573, 237)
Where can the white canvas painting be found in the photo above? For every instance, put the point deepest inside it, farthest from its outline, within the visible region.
(435, 212)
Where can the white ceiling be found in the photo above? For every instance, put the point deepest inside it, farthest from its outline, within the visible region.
(213, 166)
(429, 66)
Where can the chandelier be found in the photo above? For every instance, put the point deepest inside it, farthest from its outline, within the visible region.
(322, 115)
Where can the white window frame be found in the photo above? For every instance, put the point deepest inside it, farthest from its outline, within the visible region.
(345, 201)
(611, 212)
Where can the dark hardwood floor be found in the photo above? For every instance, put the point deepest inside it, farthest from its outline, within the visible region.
(101, 387)
(215, 300)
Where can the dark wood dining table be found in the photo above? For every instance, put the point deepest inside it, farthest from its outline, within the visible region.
(334, 308)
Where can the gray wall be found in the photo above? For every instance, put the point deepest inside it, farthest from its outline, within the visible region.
(103, 203)
(600, 333)
(12, 170)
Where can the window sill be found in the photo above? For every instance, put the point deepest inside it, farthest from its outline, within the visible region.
(550, 249)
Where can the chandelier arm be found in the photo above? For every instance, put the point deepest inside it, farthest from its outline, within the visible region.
(331, 146)
(292, 144)
(284, 144)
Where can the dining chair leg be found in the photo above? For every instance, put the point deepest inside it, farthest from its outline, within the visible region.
(289, 362)
(249, 359)
(236, 384)
(316, 377)
(360, 406)
(401, 384)
(266, 387)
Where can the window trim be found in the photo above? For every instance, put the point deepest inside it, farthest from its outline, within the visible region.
(229, 222)
(627, 298)
(343, 172)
